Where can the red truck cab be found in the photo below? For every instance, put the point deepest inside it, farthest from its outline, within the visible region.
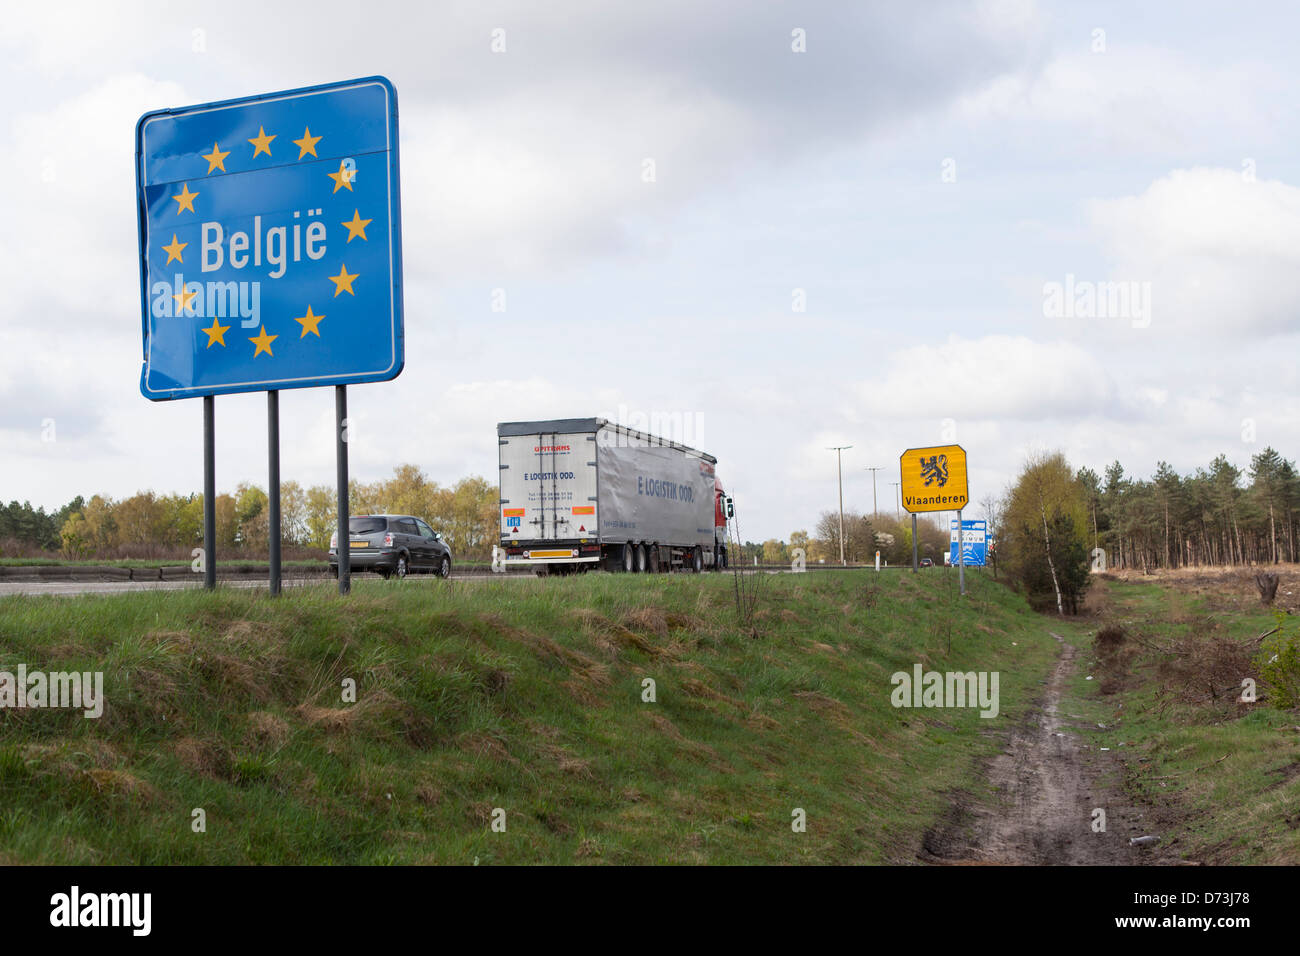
(723, 508)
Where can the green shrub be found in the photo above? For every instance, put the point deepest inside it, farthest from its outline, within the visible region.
(1279, 663)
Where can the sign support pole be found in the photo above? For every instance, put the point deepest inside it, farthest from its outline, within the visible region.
(209, 494)
(961, 554)
(914, 565)
(273, 486)
(341, 448)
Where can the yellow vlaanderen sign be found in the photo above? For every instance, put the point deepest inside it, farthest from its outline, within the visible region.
(934, 479)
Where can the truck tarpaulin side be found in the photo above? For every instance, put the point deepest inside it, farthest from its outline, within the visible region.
(653, 494)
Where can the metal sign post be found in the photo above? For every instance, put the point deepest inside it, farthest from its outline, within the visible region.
(961, 555)
(273, 486)
(914, 565)
(839, 467)
(209, 494)
(341, 450)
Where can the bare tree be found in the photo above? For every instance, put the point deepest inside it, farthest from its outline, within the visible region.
(993, 507)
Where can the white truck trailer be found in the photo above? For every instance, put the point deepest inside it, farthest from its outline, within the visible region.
(583, 493)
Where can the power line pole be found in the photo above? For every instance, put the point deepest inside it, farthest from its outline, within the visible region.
(874, 510)
(898, 499)
(840, 469)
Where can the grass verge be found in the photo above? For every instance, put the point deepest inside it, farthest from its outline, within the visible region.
(522, 696)
(1220, 777)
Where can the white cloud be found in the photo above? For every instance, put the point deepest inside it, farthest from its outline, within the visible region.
(1220, 252)
(1132, 98)
(70, 191)
(994, 377)
(542, 185)
(53, 40)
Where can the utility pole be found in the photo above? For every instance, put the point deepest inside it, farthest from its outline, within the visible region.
(840, 469)
(874, 510)
(898, 499)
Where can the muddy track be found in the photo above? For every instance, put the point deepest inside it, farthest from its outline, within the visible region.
(1046, 785)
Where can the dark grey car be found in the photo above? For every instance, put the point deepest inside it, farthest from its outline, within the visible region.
(393, 544)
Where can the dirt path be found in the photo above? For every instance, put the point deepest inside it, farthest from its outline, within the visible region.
(1046, 786)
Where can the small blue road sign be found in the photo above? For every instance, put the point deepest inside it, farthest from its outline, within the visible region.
(270, 241)
(974, 537)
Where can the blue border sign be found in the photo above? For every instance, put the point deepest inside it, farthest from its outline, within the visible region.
(974, 536)
(270, 241)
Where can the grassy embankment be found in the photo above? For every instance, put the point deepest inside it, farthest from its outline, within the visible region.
(1221, 778)
(520, 695)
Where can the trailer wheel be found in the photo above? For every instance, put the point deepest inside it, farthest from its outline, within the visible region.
(652, 559)
(697, 559)
(640, 559)
(629, 557)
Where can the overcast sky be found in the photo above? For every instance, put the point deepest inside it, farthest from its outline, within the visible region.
(850, 245)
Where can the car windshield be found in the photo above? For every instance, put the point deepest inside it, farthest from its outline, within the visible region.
(366, 525)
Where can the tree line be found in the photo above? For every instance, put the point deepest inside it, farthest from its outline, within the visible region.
(150, 525)
(1049, 528)
(1054, 525)
(1216, 515)
(23, 527)
(864, 535)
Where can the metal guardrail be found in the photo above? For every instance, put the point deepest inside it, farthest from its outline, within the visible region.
(98, 572)
(180, 572)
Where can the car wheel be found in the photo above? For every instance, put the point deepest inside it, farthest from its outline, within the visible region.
(401, 568)
(444, 567)
(629, 557)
